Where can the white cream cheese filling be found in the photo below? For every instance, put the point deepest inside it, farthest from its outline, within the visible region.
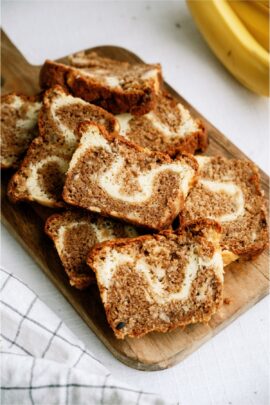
(64, 101)
(108, 181)
(30, 120)
(93, 139)
(103, 230)
(114, 259)
(187, 126)
(232, 190)
(32, 182)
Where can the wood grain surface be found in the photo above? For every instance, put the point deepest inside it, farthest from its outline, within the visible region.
(245, 283)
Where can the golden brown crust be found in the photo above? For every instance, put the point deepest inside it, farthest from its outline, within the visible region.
(50, 143)
(199, 226)
(16, 190)
(43, 121)
(74, 232)
(196, 229)
(237, 250)
(137, 148)
(53, 73)
(115, 135)
(79, 281)
(197, 142)
(82, 282)
(6, 97)
(143, 131)
(257, 248)
(137, 101)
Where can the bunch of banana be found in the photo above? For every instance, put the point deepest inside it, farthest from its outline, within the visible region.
(238, 33)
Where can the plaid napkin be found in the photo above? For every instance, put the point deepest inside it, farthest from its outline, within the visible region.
(44, 363)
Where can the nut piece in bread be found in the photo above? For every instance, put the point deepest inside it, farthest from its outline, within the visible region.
(162, 281)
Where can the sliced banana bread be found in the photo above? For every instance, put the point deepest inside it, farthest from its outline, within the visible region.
(74, 233)
(116, 86)
(229, 192)
(162, 281)
(19, 117)
(110, 175)
(169, 128)
(41, 175)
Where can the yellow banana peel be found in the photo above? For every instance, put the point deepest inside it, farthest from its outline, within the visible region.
(231, 41)
(255, 16)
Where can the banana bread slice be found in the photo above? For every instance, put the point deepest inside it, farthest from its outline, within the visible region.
(112, 176)
(162, 281)
(41, 175)
(169, 128)
(19, 116)
(229, 192)
(116, 86)
(74, 233)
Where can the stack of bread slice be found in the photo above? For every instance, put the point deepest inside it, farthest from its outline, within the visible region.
(142, 214)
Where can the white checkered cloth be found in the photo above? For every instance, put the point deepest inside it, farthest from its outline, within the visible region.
(44, 363)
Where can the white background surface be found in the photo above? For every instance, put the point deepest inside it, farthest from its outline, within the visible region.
(232, 368)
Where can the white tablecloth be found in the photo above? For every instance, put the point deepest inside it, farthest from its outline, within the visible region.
(44, 363)
(232, 368)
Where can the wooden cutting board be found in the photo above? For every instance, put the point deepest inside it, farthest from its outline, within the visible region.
(245, 284)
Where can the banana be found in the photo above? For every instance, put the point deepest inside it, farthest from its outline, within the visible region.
(263, 5)
(255, 17)
(232, 43)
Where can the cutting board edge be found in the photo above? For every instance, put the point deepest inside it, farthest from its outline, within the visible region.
(129, 361)
(172, 360)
